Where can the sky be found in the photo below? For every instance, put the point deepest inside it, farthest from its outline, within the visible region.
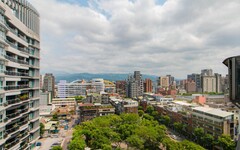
(156, 37)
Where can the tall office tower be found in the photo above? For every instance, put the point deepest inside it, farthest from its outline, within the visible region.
(207, 72)
(218, 82)
(49, 84)
(134, 85)
(171, 79)
(197, 79)
(148, 86)
(233, 64)
(19, 75)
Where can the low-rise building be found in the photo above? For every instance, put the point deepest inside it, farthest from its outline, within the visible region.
(64, 102)
(214, 121)
(89, 111)
(124, 105)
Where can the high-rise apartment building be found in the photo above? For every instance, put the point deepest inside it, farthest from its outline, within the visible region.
(148, 86)
(207, 72)
(121, 88)
(190, 86)
(209, 83)
(49, 84)
(218, 82)
(163, 82)
(134, 85)
(197, 79)
(19, 75)
(171, 79)
(233, 64)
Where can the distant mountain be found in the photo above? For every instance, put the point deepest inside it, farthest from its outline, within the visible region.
(89, 76)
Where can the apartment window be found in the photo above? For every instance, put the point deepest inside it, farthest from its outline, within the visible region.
(1, 101)
(1, 135)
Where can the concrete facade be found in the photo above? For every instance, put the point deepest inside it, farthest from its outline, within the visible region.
(19, 75)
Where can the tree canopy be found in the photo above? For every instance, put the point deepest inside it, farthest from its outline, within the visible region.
(131, 130)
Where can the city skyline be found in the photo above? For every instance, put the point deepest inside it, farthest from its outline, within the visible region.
(155, 37)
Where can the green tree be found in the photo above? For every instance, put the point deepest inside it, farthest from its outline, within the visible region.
(208, 140)
(198, 133)
(150, 109)
(41, 129)
(55, 117)
(165, 120)
(140, 113)
(135, 141)
(77, 144)
(178, 127)
(226, 142)
(79, 98)
(187, 145)
(57, 148)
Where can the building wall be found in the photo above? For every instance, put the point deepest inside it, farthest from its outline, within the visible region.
(148, 85)
(209, 84)
(19, 74)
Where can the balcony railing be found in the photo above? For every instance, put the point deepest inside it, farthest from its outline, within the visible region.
(24, 146)
(13, 129)
(11, 144)
(12, 73)
(16, 60)
(13, 101)
(7, 88)
(11, 44)
(23, 122)
(24, 110)
(23, 49)
(13, 115)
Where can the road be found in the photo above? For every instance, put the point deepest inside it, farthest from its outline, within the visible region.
(47, 142)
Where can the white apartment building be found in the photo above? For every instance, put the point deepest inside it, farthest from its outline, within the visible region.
(79, 87)
(19, 75)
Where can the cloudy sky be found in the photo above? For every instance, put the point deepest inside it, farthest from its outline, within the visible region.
(157, 37)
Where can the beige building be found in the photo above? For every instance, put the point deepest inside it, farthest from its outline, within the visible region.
(64, 102)
(213, 121)
(164, 82)
(209, 84)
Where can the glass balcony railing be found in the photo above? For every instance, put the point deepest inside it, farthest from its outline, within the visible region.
(23, 49)
(11, 44)
(11, 144)
(12, 73)
(13, 129)
(13, 115)
(13, 101)
(16, 60)
(10, 87)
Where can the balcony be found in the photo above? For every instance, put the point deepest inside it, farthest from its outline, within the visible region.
(13, 115)
(13, 101)
(23, 49)
(11, 44)
(24, 110)
(13, 87)
(23, 122)
(11, 144)
(24, 146)
(13, 129)
(12, 73)
(22, 135)
(16, 60)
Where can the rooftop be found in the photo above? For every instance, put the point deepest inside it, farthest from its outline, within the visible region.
(213, 111)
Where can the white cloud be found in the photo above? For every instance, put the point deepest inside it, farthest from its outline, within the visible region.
(178, 37)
